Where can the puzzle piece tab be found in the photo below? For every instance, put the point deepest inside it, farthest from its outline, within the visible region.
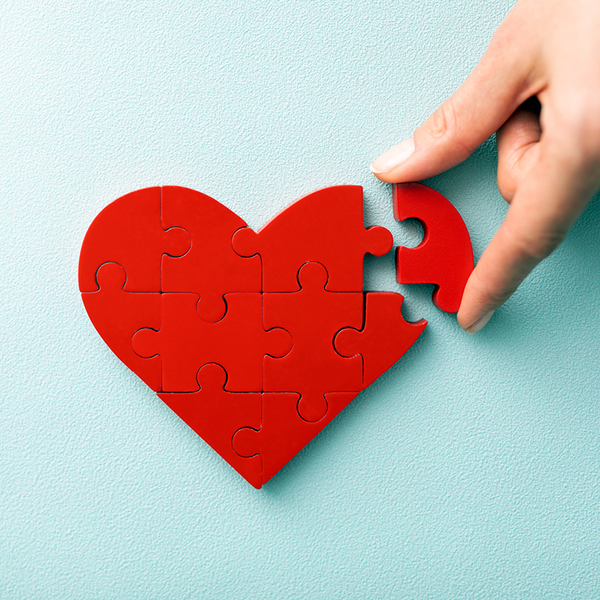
(283, 433)
(117, 314)
(216, 414)
(326, 227)
(313, 316)
(384, 338)
(185, 342)
(211, 268)
(129, 232)
(445, 256)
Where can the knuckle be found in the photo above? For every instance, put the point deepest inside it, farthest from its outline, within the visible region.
(591, 141)
(507, 53)
(441, 120)
(492, 290)
(502, 39)
(499, 296)
(534, 245)
(446, 122)
(578, 126)
(506, 184)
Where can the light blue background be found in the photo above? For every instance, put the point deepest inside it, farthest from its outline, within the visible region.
(470, 470)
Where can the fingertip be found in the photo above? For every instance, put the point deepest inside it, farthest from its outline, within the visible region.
(477, 306)
(518, 148)
(390, 160)
(479, 323)
(385, 177)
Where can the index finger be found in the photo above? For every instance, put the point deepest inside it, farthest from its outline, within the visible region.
(496, 87)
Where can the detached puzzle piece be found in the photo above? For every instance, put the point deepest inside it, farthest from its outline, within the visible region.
(118, 314)
(313, 316)
(185, 342)
(211, 268)
(445, 256)
(282, 433)
(326, 227)
(384, 338)
(215, 415)
(129, 232)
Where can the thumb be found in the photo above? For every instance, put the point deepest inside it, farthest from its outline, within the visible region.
(497, 86)
(553, 194)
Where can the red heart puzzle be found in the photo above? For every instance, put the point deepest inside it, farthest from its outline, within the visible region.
(257, 340)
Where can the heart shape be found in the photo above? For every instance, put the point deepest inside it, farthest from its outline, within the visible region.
(257, 340)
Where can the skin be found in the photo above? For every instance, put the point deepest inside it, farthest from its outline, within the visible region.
(538, 88)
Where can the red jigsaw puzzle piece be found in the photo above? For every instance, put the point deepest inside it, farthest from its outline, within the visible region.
(129, 232)
(445, 256)
(313, 316)
(384, 338)
(185, 342)
(325, 226)
(118, 314)
(216, 414)
(211, 268)
(283, 433)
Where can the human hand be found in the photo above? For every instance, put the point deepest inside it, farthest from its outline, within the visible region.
(538, 87)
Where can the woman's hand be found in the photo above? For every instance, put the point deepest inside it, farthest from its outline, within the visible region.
(544, 56)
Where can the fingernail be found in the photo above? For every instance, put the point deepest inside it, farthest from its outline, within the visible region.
(393, 157)
(480, 323)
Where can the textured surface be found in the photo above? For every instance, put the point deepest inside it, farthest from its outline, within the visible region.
(469, 470)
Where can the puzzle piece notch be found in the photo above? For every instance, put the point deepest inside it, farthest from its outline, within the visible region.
(445, 256)
(211, 268)
(313, 316)
(327, 227)
(216, 414)
(384, 338)
(129, 232)
(238, 342)
(282, 433)
(117, 314)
